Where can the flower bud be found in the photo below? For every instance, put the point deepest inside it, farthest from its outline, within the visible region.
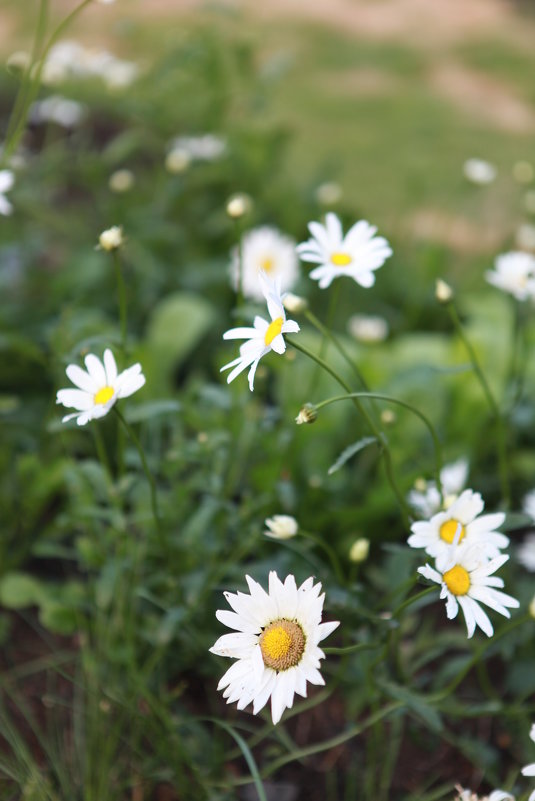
(359, 550)
(294, 303)
(443, 291)
(388, 417)
(307, 414)
(239, 205)
(281, 527)
(121, 181)
(532, 607)
(111, 239)
(178, 160)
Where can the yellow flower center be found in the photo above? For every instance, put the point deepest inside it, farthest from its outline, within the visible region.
(273, 330)
(448, 530)
(282, 644)
(104, 395)
(267, 264)
(457, 580)
(341, 259)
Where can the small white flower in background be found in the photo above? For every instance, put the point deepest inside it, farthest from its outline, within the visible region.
(281, 527)
(121, 181)
(177, 161)
(239, 205)
(329, 193)
(525, 237)
(99, 388)
(462, 523)
(526, 553)
(68, 60)
(112, 238)
(359, 551)
(356, 255)
(264, 337)
(528, 504)
(206, 147)
(529, 770)
(514, 272)
(496, 795)
(7, 179)
(57, 109)
(478, 171)
(368, 328)
(275, 642)
(105, 2)
(265, 250)
(465, 574)
(425, 497)
(523, 172)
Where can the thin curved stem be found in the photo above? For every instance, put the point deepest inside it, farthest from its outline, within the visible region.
(383, 443)
(333, 558)
(328, 334)
(413, 409)
(493, 405)
(121, 295)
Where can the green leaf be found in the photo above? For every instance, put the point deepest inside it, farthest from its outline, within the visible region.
(350, 451)
(146, 411)
(415, 703)
(18, 590)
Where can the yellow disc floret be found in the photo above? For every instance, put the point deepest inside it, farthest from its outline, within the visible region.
(267, 264)
(457, 580)
(282, 644)
(341, 259)
(449, 529)
(273, 330)
(104, 395)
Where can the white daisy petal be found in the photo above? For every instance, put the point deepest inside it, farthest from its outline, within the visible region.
(96, 370)
(75, 399)
(111, 367)
(81, 379)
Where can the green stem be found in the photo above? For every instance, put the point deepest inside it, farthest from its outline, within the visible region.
(121, 294)
(150, 478)
(101, 450)
(328, 334)
(333, 558)
(31, 89)
(352, 649)
(493, 405)
(379, 396)
(383, 444)
(413, 599)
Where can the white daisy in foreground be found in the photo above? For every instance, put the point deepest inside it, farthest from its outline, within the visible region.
(264, 249)
(7, 179)
(496, 795)
(98, 388)
(466, 578)
(264, 337)
(357, 254)
(461, 523)
(425, 497)
(529, 770)
(275, 642)
(478, 171)
(514, 272)
(281, 527)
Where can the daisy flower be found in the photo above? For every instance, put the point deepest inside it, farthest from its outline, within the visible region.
(466, 579)
(425, 497)
(264, 337)
(264, 249)
(281, 527)
(514, 273)
(7, 179)
(462, 522)
(357, 254)
(478, 171)
(99, 388)
(529, 770)
(275, 642)
(496, 795)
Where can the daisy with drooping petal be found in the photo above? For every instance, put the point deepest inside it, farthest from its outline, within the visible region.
(275, 642)
(264, 249)
(466, 578)
(281, 527)
(264, 337)
(7, 179)
(99, 388)
(464, 520)
(425, 497)
(514, 273)
(529, 770)
(357, 254)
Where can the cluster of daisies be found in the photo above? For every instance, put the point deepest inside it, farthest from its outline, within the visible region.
(266, 266)
(467, 550)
